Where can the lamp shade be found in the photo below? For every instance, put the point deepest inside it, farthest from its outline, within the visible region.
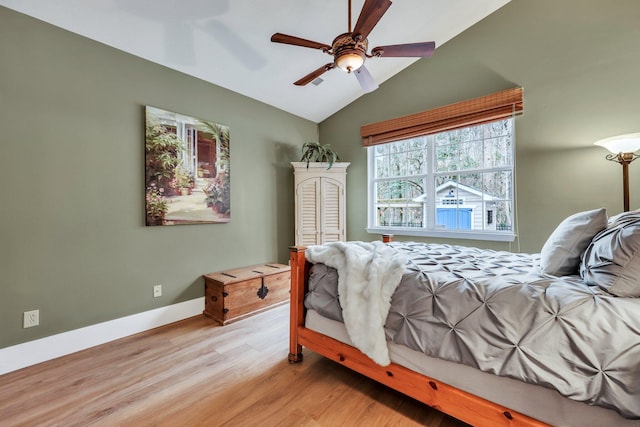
(627, 143)
(350, 60)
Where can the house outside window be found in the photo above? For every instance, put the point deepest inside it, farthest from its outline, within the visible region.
(453, 184)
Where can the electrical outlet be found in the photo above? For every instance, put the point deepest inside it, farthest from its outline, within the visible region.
(31, 319)
(157, 291)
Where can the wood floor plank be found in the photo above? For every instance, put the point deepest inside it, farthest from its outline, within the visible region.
(197, 373)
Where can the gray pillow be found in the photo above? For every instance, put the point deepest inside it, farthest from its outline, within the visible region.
(560, 255)
(614, 218)
(612, 259)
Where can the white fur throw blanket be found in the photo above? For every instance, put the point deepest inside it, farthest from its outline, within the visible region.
(368, 275)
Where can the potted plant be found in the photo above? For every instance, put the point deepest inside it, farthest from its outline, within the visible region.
(156, 205)
(314, 152)
(219, 195)
(182, 181)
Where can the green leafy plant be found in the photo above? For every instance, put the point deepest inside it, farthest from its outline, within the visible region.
(161, 147)
(314, 152)
(221, 134)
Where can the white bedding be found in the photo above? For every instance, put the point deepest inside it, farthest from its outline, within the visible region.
(368, 275)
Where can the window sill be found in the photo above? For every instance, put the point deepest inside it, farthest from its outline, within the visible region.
(445, 234)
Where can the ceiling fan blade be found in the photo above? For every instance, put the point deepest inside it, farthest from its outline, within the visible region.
(297, 41)
(179, 44)
(367, 83)
(422, 50)
(315, 74)
(235, 44)
(372, 11)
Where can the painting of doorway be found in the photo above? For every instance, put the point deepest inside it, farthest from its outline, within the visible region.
(187, 174)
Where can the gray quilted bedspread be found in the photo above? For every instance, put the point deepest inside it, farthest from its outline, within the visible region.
(495, 311)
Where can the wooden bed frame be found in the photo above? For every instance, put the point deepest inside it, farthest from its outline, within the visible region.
(450, 400)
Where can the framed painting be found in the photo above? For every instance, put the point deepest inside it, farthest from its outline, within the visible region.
(187, 178)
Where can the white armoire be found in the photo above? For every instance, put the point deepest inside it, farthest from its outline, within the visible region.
(320, 204)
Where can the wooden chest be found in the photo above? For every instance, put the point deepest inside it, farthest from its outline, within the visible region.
(234, 294)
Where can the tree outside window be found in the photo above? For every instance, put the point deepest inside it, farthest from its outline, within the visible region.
(455, 182)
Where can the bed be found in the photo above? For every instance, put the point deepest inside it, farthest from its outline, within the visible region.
(588, 266)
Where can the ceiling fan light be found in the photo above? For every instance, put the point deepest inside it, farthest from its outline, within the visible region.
(350, 61)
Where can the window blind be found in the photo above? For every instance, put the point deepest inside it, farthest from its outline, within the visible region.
(484, 109)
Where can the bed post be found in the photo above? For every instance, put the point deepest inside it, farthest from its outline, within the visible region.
(386, 238)
(299, 274)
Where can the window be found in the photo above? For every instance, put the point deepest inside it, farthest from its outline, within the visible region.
(445, 172)
(458, 183)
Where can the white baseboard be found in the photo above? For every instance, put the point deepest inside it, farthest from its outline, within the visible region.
(40, 350)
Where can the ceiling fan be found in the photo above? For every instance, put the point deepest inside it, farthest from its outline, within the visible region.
(349, 50)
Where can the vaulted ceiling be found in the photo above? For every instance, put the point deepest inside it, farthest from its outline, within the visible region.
(228, 42)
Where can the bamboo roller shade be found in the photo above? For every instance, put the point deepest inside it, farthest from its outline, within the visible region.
(484, 109)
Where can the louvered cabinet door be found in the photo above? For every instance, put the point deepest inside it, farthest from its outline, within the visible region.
(308, 212)
(332, 211)
(320, 214)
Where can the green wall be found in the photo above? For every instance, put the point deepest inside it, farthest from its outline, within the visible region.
(72, 238)
(579, 64)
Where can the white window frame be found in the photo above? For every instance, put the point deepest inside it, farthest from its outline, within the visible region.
(429, 213)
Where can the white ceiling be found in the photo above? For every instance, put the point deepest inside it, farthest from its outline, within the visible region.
(228, 43)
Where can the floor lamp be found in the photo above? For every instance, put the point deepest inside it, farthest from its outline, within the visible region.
(622, 148)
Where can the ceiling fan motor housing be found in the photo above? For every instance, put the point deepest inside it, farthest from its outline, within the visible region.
(349, 54)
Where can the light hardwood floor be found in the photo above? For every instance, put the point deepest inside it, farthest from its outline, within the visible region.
(196, 373)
